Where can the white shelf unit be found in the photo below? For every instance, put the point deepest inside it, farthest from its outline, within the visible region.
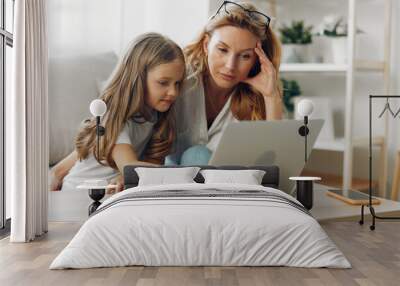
(338, 144)
(347, 143)
(359, 65)
(318, 67)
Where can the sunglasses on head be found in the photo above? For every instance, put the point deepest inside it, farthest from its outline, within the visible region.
(252, 13)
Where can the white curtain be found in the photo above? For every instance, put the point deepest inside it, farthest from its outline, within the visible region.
(27, 123)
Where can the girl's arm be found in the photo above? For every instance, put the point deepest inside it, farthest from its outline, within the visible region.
(123, 155)
(60, 170)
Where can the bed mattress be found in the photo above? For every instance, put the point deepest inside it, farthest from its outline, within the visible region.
(201, 225)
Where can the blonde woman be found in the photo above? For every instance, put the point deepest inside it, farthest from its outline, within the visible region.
(139, 121)
(233, 75)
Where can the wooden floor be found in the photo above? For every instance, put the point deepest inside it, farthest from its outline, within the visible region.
(375, 257)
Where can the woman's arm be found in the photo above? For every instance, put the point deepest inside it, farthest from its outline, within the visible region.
(273, 106)
(60, 170)
(123, 155)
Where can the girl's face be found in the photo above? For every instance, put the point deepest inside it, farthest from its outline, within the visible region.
(163, 85)
(230, 55)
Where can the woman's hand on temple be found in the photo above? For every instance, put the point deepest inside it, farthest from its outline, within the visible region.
(265, 80)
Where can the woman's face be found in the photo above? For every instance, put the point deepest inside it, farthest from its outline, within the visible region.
(230, 55)
(163, 85)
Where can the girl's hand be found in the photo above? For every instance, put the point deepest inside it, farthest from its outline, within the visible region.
(55, 182)
(265, 80)
(119, 182)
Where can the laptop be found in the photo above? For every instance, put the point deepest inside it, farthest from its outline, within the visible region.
(266, 143)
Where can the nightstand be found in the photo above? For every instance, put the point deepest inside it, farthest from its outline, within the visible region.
(96, 191)
(304, 190)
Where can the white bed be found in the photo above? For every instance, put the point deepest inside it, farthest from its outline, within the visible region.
(185, 230)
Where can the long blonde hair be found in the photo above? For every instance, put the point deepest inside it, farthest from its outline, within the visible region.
(124, 96)
(246, 103)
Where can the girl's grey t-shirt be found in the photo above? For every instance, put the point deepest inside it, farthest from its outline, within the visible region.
(134, 133)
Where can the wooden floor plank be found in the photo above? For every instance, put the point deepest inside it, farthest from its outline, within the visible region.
(375, 257)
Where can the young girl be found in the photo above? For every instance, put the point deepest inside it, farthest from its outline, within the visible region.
(233, 75)
(139, 122)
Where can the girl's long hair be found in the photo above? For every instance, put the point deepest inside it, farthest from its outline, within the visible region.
(246, 103)
(124, 96)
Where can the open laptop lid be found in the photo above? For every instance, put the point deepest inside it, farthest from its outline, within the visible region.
(267, 143)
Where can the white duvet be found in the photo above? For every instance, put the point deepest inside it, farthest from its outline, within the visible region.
(200, 231)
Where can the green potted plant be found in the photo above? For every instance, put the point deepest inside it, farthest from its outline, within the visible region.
(290, 89)
(335, 30)
(296, 40)
(334, 27)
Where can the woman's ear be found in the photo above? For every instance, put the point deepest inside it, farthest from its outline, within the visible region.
(205, 44)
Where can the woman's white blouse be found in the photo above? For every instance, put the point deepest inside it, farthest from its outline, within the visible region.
(192, 120)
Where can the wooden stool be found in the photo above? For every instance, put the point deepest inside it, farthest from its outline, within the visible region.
(396, 178)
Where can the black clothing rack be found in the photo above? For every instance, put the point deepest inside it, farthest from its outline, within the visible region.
(370, 206)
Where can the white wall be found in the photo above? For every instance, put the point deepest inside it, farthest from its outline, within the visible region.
(78, 27)
(98, 26)
(180, 20)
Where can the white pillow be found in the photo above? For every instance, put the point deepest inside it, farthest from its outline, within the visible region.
(162, 176)
(248, 177)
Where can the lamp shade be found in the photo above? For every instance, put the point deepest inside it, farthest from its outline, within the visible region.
(98, 107)
(305, 107)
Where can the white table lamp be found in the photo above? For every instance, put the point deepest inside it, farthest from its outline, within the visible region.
(98, 108)
(305, 108)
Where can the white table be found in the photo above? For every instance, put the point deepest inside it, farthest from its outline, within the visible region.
(328, 208)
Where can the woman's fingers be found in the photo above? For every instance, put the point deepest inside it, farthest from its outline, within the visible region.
(266, 64)
(262, 56)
